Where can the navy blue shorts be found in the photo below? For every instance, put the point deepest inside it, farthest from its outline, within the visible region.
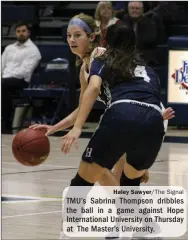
(126, 128)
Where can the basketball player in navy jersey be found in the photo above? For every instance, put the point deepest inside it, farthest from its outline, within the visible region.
(133, 124)
(82, 40)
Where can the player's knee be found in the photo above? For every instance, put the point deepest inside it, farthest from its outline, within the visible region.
(126, 181)
(132, 172)
(118, 167)
(104, 177)
(97, 172)
(91, 172)
(79, 181)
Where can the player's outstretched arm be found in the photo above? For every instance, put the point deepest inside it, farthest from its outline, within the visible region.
(88, 100)
(70, 119)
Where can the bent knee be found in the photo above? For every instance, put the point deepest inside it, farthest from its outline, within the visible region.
(104, 177)
(132, 172)
(91, 172)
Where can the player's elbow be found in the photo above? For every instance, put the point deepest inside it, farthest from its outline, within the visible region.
(95, 90)
(95, 87)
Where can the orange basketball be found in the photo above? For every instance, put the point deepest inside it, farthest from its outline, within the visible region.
(30, 147)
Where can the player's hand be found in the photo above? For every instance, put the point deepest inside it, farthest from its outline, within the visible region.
(145, 177)
(69, 139)
(47, 129)
(168, 113)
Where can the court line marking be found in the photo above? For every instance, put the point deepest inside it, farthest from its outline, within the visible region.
(54, 180)
(39, 171)
(30, 197)
(156, 172)
(30, 214)
(40, 165)
(48, 179)
(3, 168)
(58, 180)
(32, 201)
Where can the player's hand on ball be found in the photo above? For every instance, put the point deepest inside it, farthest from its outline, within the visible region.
(145, 177)
(69, 139)
(169, 113)
(47, 129)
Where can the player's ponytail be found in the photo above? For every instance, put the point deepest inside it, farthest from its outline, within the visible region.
(120, 55)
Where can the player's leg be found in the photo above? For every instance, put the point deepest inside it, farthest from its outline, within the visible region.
(101, 154)
(140, 157)
(112, 178)
(96, 160)
(90, 172)
(108, 179)
(87, 175)
(118, 169)
(119, 166)
(131, 176)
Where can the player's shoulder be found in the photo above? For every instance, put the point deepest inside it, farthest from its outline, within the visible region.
(98, 51)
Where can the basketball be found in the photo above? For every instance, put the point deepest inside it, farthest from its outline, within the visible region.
(30, 147)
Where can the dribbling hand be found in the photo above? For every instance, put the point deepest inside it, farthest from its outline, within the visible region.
(47, 129)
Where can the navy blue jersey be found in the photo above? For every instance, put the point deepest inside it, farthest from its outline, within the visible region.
(105, 94)
(144, 87)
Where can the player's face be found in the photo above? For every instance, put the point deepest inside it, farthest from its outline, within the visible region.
(78, 40)
(22, 34)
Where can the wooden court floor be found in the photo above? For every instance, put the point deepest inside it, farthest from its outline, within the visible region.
(31, 206)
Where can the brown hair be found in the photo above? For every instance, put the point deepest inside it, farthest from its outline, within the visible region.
(92, 25)
(120, 57)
